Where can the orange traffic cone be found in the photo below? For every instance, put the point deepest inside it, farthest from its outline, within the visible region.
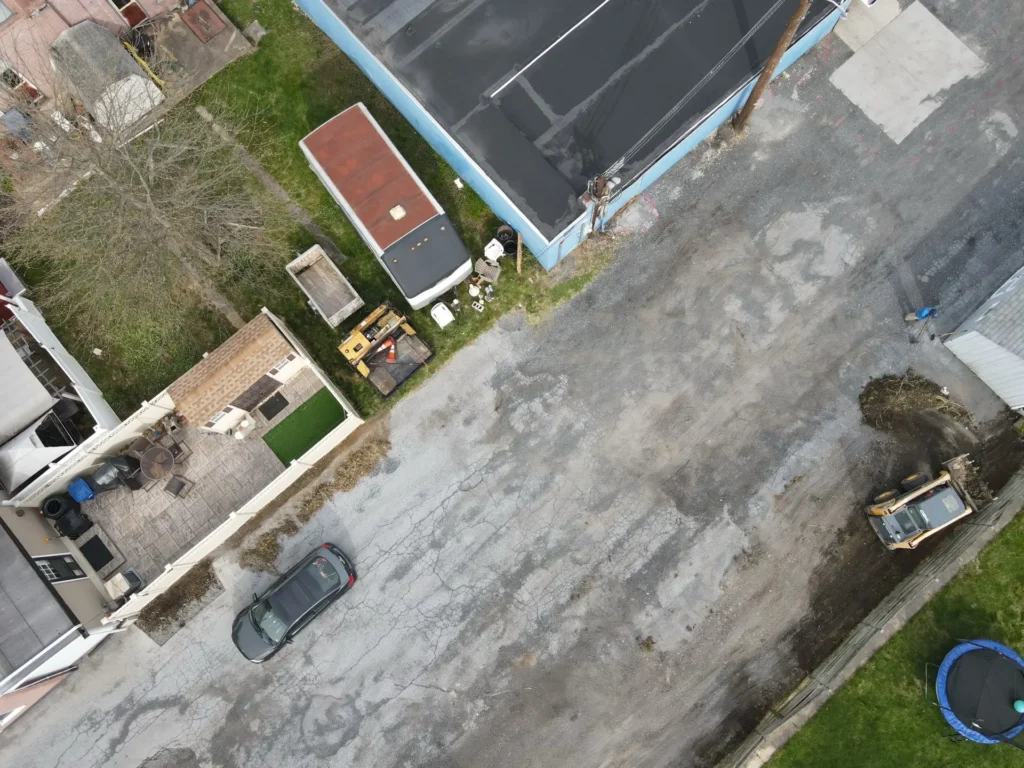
(390, 344)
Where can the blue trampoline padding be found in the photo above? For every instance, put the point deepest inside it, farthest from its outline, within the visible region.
(940, 688)
(79, 490)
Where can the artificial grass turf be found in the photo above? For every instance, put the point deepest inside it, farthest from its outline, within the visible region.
(305, 426)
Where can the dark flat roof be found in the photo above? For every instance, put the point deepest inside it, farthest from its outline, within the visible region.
(31, 618)
(427, 255)
(611, 92)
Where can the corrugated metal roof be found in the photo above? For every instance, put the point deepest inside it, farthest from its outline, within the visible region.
(991, 341)
(31, 618)
(1001, 318)
(24, 398)
(1000, 369)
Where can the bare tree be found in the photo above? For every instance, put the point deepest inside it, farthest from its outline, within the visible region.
(128, 206)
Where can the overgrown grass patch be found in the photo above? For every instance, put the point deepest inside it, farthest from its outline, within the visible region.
(883, 716)
(294, 81)
(261, 555)
(360, 463)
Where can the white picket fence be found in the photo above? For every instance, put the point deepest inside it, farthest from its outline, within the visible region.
(174, 571)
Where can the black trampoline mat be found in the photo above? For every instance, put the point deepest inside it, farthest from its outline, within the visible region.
(96, 552)
(982, 686)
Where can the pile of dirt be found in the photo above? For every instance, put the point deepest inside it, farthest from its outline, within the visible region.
(261, 555)
(172, 606)
(886, 402)
(975, 485)
(930, 428)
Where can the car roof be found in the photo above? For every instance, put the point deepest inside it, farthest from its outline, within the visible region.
(304, 586)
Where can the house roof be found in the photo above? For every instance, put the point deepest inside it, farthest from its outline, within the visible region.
(229, 370)
(1005, 324)
(103, 75)
(31, 618)
(24, 398)
(1001, 318)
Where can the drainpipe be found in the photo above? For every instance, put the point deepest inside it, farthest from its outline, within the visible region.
(600, 191)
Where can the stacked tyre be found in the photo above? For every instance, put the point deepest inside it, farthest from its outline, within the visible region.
(66, 515)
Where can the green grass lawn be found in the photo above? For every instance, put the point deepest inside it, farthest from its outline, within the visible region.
(881, 717)
(302, 428)
(140, 358)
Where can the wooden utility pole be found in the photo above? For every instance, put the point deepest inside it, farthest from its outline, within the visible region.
(740, 121)
(519, 254)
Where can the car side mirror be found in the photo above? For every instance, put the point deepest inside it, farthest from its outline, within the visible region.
(288, 640)
(255, 597)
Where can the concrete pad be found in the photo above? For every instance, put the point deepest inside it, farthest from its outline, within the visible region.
(898, 76)
(200, 61)
(862, 22)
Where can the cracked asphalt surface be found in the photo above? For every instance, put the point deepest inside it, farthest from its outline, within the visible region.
(676, 453)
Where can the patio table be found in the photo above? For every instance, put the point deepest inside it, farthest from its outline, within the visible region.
(157, 462)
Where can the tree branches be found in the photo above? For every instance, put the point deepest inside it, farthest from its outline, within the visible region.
(121, 220)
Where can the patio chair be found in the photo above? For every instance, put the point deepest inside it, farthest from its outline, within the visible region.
(178, 486)
(140, 446)
(136, 483)
(180, 452)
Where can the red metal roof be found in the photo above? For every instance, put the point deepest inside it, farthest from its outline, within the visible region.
(372, 178)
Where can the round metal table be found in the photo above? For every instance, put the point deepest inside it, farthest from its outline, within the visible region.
(157, 462)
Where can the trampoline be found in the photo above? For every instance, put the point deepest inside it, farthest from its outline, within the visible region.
(980, 688)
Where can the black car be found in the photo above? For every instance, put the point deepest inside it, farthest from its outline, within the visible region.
(292, 601)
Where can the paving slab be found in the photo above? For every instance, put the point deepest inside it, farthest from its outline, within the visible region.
(863, 22)
(900, 75)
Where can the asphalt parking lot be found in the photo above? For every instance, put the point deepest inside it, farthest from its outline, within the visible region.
(674, 454)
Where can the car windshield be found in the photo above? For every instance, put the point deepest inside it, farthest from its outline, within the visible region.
(267, 622)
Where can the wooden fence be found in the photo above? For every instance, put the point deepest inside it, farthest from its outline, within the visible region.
(958, 548)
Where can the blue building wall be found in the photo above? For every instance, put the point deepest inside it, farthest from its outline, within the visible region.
(548, 253)
(575, 234)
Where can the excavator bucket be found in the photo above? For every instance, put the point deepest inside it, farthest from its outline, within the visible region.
(967, 481)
